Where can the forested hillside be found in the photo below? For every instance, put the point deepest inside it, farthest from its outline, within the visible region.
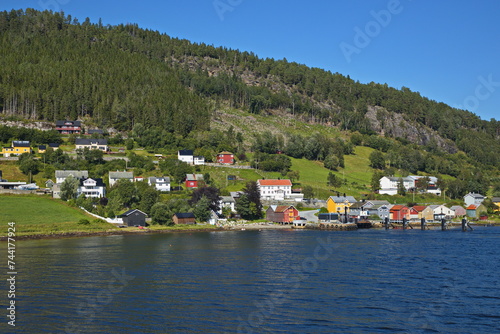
(54, 67)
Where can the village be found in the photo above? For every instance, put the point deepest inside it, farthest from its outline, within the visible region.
(282, 202)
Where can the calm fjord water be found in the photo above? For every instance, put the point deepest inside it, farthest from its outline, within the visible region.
(273, 281)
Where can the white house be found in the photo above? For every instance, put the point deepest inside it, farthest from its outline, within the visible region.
(186, 156)
(115, 176)
(61, 175)
(275, 189)
(92, 144)
(473, 199)
(92, 188)
(160, 183)
(198, 160)
(432, 187)
(227, 202)
(389, 184)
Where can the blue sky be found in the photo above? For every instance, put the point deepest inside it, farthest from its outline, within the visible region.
(447, 50)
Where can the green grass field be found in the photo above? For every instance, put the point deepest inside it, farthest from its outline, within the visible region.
(43, 215)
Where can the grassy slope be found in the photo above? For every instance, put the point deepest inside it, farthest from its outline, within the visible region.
(43, 215)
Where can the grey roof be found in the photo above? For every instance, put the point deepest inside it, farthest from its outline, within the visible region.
(226, 199)
(73, 123)
(89, 141)
(98, 182)
(129, 212)
(475, 195)
(93, 131)
(121, 175)
(21, 143)
(194, 177)
(342, 199)
(495, 199)
(152, 179)
(75, 173)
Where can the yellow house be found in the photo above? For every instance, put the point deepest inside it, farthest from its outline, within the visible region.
(496, 201)
(18, 148)
(337, 204)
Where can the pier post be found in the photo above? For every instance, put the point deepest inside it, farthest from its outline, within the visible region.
(464, 225)
(422, 224)
(404, 223)
(443, 224)
(386, 223)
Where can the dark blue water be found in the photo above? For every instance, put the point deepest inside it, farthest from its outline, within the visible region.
(368, 281)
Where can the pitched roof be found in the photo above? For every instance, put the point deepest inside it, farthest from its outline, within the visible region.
(53, 145)
(184, 215)
(90, 141)
(342, 199)
(20, 143)
(185, 152)
(419, 208)
(73, 123)
(129, 212)
(282, 208)
(274, 182)
(98, 181)
(75, 173)
(42, 147)
(475, 195)
(495, 199)
(398, 207)
(121, 175)
(225, 153)
(472, 207)
(194, 177)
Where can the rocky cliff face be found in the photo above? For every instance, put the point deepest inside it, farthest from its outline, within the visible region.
(395, 125)
(44, 126)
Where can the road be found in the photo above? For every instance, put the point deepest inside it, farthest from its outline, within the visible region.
(309, 215)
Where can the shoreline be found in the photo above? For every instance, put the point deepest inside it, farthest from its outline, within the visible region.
(240, 227)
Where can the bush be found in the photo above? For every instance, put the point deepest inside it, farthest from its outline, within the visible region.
(83, 221)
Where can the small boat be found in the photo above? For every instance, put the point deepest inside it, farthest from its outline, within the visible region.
(299, 224)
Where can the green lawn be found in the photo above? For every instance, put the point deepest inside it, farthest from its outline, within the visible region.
(35, 214)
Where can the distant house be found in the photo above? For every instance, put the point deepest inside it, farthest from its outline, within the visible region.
(227, 202)
(274, 189)
(416, 212)
(389, 184)
(283, 214)
(474, 211)
(42, 149)
(472, 198)
(194, 180)
(356, 210)
(186, 156)
(92, 188)
(17, 148)
(54, 146)
(184, 218)
(328, 217)
(115, 176)
(198, 160)
(496, 201)
(160, 183)
(226, 158)
(437, 212)
(459, 210)
(61, 175)
(69, 127)
(338, 204)
(134, 217)
(95, 132)
(398, 212)
(383, 211)
(92, 144)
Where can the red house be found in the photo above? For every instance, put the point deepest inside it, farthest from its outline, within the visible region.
(398, 212)
(225, 158)
(282, 214)
(194, 180)
(416, 212)
(68, 127)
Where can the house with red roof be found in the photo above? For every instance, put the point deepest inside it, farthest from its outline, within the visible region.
(398, 212)
(475, 211)
(275, 189)
(416, 212)
(283, 214)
